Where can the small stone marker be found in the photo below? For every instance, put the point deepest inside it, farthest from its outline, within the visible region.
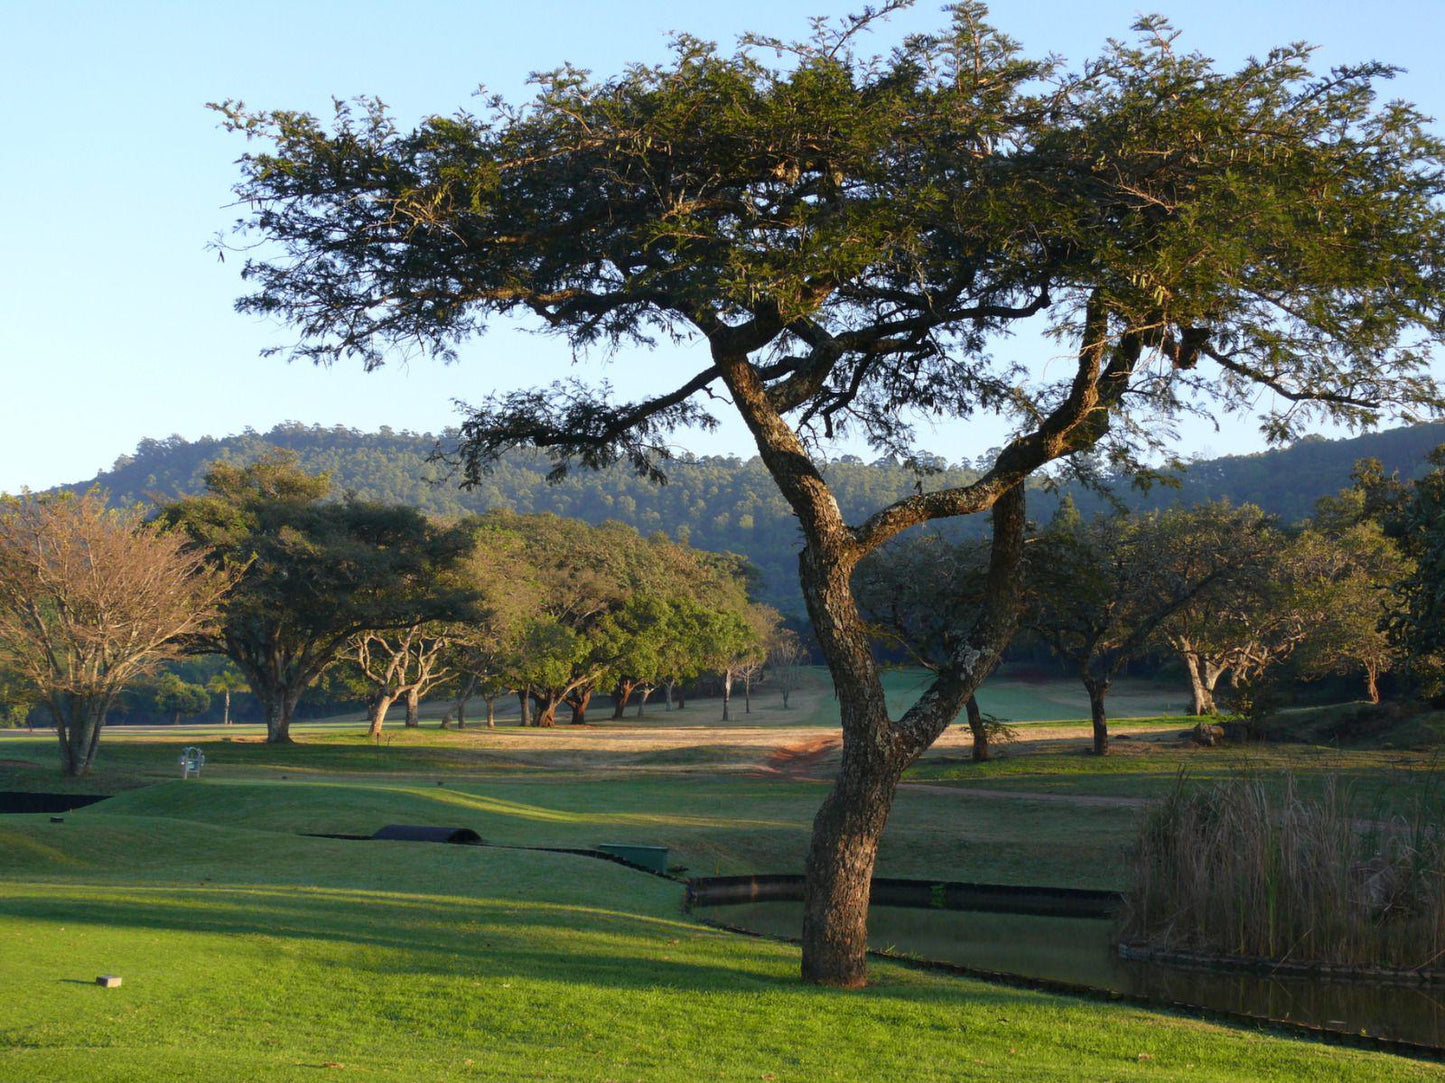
(108, 981)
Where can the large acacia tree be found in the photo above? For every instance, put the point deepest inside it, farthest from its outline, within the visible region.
(852, 238)
(316, 574)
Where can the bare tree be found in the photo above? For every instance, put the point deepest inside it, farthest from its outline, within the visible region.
(786, 658)
(90, 600)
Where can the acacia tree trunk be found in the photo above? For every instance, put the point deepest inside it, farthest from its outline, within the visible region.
(376, 713)
(876, 750)
(465, 691)
(979, 730)
(645, 691)
(1204, 674)
(667, 688)
(1098, 688)
(579, 707)
(620, 697)
(547, 704)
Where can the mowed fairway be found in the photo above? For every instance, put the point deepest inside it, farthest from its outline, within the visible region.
(249, 951)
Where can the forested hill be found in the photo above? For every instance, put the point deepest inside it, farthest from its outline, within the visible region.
(717, 503)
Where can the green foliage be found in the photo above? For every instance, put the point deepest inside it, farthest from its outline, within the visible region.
(1419, 528)
(707, 501)
(315, 573)
(178, 697)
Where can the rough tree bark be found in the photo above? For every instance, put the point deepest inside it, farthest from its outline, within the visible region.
(977, 727)
(1204, 674)
(1098, 688)
(579, 703)
(620, 696)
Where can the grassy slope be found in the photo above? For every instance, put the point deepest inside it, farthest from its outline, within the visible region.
(250, 952)
(250, 955)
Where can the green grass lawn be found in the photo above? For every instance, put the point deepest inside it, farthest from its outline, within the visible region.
(251, 952)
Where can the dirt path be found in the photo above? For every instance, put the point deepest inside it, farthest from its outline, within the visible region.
(799, 761)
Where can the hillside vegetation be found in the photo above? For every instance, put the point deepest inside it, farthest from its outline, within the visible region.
(720, 503)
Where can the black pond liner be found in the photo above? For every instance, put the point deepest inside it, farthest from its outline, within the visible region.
(724, 890)
(465, 836)
(418, 833)
(1067, 902)
(18, 802)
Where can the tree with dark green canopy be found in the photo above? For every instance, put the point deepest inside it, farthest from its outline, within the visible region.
(1418, 625)
(174, 695)
(853, 239)
(316, 573)
(919, 594)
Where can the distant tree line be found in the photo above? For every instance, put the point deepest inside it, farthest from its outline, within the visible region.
(721, 503)
(381, 602)
(1227, 591)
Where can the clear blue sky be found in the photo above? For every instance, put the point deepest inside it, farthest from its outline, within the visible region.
(118, 322)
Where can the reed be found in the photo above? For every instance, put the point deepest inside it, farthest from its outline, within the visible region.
(1259, 870)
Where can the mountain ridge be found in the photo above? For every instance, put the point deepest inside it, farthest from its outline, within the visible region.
(723, 503)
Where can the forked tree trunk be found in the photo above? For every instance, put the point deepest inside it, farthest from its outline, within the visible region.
(642, 698)
(1203, 679)
(78, 723)
(464, 695)
(1372, 682)
(1098, 689)
(877, 749)
(979, 730)
(620, 696)
(413, 708)
(579, 708)
(667, 688)
(547, 704)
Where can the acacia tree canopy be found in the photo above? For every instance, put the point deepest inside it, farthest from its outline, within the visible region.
(315, 573)
(852, 236)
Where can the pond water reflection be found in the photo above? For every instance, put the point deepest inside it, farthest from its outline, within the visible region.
(1078, 950)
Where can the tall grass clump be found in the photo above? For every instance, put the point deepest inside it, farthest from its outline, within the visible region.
(1258, 870)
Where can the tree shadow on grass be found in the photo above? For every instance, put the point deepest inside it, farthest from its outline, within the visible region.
(514, 942)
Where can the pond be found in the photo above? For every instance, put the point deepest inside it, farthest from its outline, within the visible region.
(1079, 950)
